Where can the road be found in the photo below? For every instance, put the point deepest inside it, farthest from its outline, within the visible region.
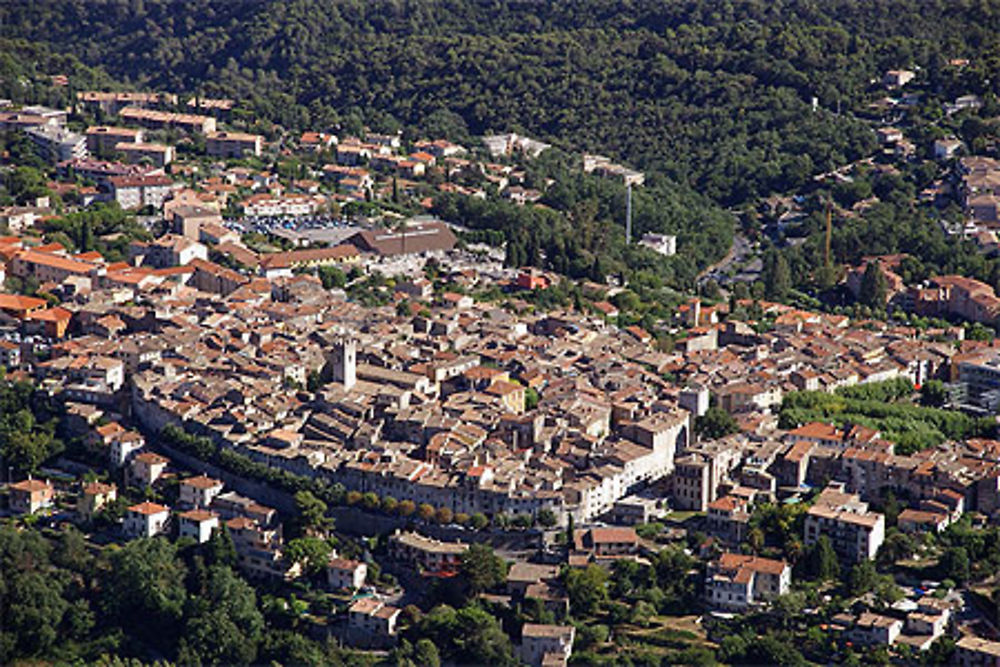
(738, 253)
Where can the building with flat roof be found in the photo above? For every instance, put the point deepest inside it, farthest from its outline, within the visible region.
(854, 532)
(233, 144)
(56, 144)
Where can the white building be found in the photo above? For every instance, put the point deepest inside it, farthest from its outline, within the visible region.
(546, 644)
(665, 244)
(146, 520)
(123, 446)
(56, 144)
(854, 532)
(343, 574)
(198, 524)
(737, 582)
(199, 491)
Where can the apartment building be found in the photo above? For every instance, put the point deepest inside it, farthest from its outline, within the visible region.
(855, 532)
(103, 140)
(233, 144)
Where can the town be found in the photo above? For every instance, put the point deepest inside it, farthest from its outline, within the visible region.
(282, 347)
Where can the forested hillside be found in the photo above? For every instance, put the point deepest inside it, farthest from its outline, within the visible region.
(714, 93)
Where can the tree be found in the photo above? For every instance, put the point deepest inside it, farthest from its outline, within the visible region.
(480, 640)
(482, 569)
(389, 504)
(444, 516)
(220, 549)
(531, 398)
(873, 286)
(146, 580)
(823, 563)
(426, 654)
(955, 564)
(715, 423)
(897, 546)
(406, 508)
(332, 277)
(479, 521)
(312, 513)
(27, 184)
(776, 275)
(370, 500)
(425, 511)
(587, 589)
(546, 518)
(227, 627)
(312, 552)
(862, 579)
(933, 394)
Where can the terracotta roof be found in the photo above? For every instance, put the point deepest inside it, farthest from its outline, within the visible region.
(148, 508)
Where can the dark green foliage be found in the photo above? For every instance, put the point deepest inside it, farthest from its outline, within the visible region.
(587, 588)
(955, 565)
(332, 276)
(776, 275)
(911, 427)
(225, 626)
(84, 231)
(27, 427)
(469, 635)
(146, 580)
(715, 423)
(873, 287)
(821, 560)
(482, 569)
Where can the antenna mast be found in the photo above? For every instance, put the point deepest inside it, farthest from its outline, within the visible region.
(829, 231)
(628, 214)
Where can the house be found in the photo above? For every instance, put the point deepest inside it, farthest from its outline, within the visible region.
(156, 120)
(738, 582)
(167, 251)
(897, 78)
(199, 491)
(374, 620)
(157, 155)
(919, 521)
(607, 542)
(94, 497)
(30, 496)
(546, 644)
(198, 524)
(10, 355)
(971, 651)
(147, 468)
(425, 553)
(57, 144)
(259, 550)
(945, 149)
(146, 520)
(122, 445)
(345, 575)
(875, 630)
(521, 576)
(411, 237)
(665, 244)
